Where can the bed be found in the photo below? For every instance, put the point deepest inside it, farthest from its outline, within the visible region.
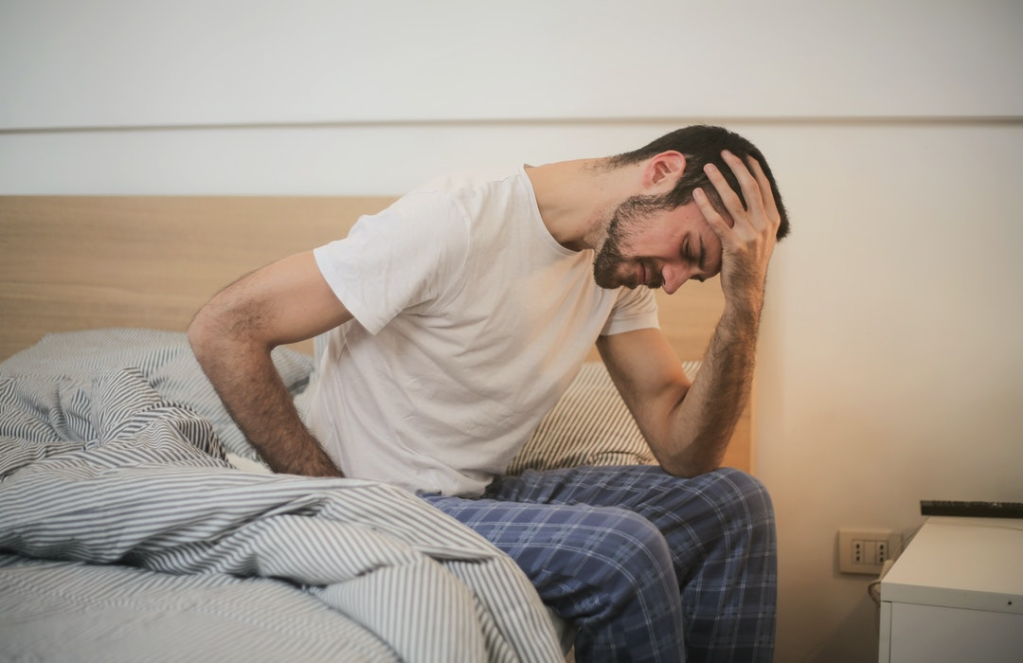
(137, 522)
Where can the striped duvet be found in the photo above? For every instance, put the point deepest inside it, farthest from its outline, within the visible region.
(125, 535)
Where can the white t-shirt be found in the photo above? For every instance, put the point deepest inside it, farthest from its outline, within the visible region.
(470, 322)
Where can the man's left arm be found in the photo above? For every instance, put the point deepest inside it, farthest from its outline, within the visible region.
(688, 425)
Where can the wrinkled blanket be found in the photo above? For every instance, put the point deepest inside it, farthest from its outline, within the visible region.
(98, 468)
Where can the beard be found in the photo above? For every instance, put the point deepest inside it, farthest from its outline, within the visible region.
(611, 268)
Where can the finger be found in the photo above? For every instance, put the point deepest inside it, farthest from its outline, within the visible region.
(710, 213)
(743, 213)
(751, 190)
(729, 198)
(767, 193)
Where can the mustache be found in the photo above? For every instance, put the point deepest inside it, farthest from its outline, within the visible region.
(624, 222)
(609, 263)
(654, 278)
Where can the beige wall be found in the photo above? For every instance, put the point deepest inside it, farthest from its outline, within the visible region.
(890, 366)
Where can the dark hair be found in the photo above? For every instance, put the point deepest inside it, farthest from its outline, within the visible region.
(702, 144)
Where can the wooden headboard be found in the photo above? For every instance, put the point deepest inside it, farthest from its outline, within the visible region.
(71, 263)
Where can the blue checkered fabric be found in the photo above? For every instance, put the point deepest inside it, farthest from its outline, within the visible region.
(648, 566)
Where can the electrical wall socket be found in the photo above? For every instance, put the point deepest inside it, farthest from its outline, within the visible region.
(866, 551)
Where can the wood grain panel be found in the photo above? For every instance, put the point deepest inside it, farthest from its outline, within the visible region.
(82, 262)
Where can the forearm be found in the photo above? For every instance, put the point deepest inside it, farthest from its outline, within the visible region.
(687, 425)
(703, 421)
(257, 399)
(232, 337)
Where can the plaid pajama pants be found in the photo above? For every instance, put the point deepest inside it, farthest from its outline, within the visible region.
(648, 566)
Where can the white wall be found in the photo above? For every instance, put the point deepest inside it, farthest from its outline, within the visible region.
(890, 366)
(150, 62)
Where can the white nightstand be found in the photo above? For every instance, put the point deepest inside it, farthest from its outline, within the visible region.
(956, 594)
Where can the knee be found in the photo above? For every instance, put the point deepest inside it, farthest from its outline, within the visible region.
(633, 561)
(747, 490)
(641, 539)
(628, 546)
(742, 498)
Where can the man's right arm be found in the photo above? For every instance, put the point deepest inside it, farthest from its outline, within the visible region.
(232, 337)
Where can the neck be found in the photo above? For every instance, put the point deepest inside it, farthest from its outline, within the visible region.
(576, 199)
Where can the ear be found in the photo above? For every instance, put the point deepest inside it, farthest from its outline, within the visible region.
(662, 171)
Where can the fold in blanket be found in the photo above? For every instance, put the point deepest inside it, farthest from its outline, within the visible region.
(107, 472)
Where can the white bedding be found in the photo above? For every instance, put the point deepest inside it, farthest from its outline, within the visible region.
(126, 535)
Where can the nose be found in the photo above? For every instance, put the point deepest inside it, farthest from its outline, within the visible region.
(674, 276)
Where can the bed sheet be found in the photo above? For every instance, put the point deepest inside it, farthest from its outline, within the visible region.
(125, 531)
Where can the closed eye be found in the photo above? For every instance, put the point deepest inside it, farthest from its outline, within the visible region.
(686, 254)
(700, 259)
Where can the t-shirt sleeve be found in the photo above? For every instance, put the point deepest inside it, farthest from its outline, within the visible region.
(634, 309)
(403, 257)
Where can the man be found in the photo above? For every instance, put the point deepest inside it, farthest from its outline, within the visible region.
(459, 315)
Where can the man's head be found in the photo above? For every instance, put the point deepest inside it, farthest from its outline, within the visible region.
(698, 146)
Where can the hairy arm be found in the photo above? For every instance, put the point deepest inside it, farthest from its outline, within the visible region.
(232, 337)
(689, 425)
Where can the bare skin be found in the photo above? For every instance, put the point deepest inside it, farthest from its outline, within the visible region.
(687, 425)
(232, 337)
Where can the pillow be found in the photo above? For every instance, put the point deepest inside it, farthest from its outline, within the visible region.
(589, 425)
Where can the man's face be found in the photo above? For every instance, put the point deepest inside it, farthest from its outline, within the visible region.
(657, 247)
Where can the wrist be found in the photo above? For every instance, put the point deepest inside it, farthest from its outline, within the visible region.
(743, 312)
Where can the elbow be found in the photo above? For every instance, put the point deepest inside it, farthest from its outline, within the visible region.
(219, 331)
(201, 335)
(212, 334)
(690, 470)
(694, 460)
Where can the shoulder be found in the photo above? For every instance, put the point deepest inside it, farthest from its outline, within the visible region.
(477, 192)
